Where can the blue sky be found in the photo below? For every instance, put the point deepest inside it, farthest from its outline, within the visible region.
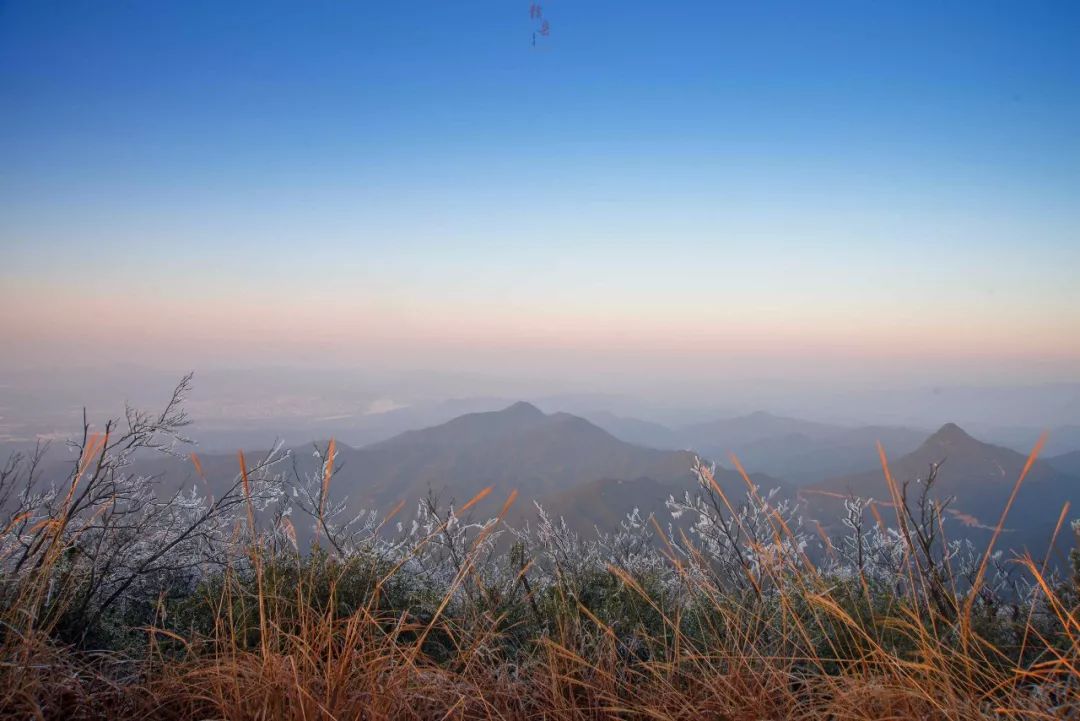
(840, 180)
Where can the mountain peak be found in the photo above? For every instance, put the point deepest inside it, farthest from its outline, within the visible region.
(951, 434)
(522, 409)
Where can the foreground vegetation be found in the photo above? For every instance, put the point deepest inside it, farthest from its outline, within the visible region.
(119, 600)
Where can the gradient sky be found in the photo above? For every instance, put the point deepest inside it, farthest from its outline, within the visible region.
(801, 189)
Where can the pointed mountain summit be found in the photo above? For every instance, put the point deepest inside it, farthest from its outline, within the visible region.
(951, 436)
(521, 409)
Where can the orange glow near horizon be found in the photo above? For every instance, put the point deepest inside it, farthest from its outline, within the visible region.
(157, 328)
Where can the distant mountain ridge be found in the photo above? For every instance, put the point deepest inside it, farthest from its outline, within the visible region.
(796, 450)
(565, 463)
(559, 460)
(1066, 463)
(519, 447)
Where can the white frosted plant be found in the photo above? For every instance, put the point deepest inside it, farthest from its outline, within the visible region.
(559, 553)
(633, 546)
(346, 532)
(889, 559)
(745, 546)
(444, 553)
(109, 537)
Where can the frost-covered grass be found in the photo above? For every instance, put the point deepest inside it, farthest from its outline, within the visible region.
(118, 602)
